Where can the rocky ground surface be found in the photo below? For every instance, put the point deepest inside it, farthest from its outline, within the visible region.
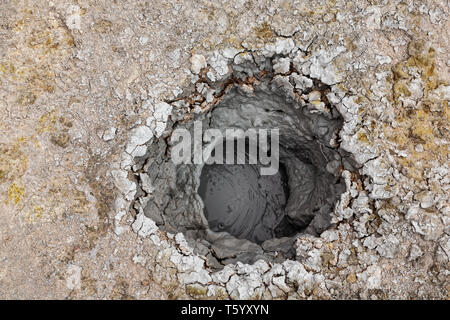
(80, 80)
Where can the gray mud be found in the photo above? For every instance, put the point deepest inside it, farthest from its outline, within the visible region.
(239, 200)
(244, 216)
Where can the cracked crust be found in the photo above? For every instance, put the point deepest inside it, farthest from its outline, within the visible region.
(66, 233)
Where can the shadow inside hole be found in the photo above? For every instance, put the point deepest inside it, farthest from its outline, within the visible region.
(241, 201)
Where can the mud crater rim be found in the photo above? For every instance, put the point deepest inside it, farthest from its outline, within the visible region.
(310, 149)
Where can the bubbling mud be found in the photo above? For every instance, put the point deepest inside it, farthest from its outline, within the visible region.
(239, 200)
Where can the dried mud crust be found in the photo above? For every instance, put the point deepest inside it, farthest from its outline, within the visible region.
(79, 82)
